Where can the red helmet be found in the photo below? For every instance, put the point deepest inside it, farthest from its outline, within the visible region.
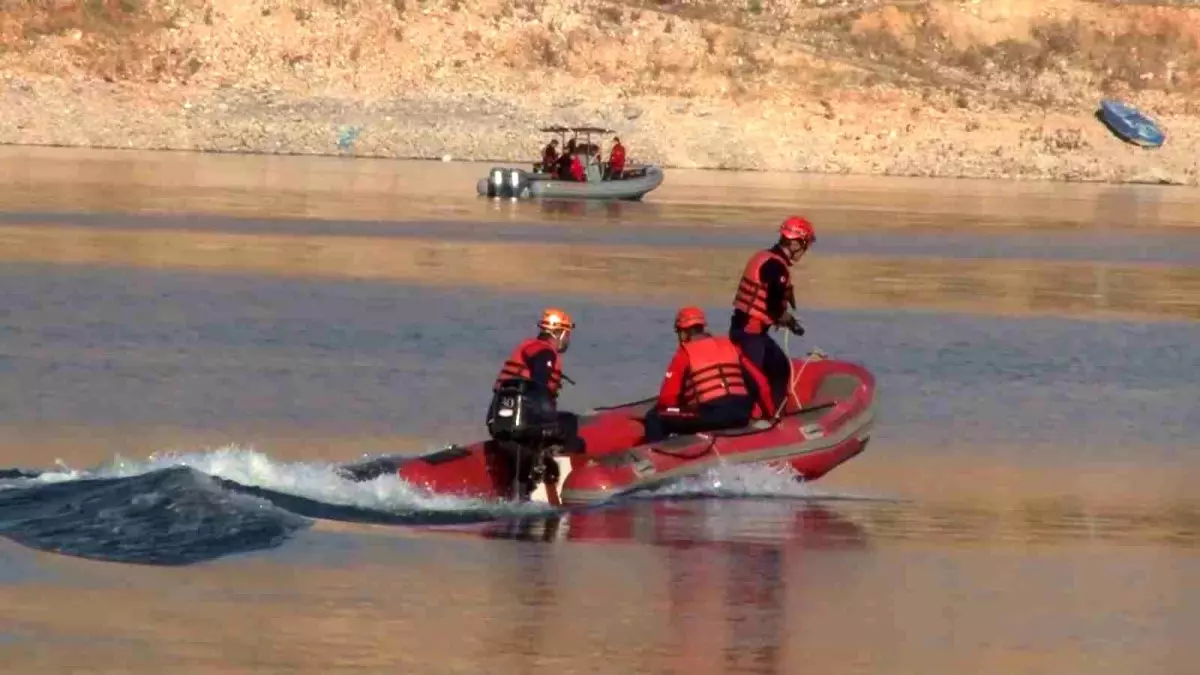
(689, 317)
(798, 227)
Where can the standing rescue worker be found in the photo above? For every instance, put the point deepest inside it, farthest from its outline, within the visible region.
(524, 405)
(616, 160)
(763, 296)
(707, 386)
(550, 156)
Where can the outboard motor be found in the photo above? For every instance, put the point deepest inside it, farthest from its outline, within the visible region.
(496, 183)
(516, 182)
(523, 423)
(522, 412)
(507, 413)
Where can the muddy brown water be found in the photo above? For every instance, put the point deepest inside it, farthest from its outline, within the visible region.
(1027, 504)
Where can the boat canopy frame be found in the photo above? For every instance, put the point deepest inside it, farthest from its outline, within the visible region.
(585, 131)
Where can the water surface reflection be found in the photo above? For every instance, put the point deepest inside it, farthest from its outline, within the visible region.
(695, 274)
(1027, 504)
(55, 179)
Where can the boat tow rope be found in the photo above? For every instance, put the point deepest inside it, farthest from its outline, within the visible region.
(712, 447)
(793, 378)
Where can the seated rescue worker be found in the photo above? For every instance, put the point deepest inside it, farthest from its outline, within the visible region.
(563, 166)
(763, 296)
(577, 173)
(524, 407)
(707, 385)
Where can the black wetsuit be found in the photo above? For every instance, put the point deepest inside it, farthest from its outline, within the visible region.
(759, 348)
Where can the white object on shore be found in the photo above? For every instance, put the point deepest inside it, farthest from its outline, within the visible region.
(445, 158)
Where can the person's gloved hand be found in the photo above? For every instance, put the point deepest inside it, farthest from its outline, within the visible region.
(793, 324)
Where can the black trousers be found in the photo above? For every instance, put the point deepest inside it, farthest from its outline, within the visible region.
(729, 413)
(770, 359)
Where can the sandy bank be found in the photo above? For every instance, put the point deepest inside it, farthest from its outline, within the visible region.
(935, 90)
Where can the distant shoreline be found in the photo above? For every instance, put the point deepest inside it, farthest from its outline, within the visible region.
(1148, 180)
(862, 139)
(1002, 90)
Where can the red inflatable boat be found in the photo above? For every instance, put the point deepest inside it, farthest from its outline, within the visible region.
(826, 421)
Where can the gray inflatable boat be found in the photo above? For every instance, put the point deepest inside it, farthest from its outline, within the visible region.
(512, 183)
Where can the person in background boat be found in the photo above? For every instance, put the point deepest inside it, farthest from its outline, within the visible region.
(532, 377)
(564, 161)
(577, 172)
(616, 160)
(763, 296)
(569, 166)
(595, 165)
(550, 156)
(708, 384)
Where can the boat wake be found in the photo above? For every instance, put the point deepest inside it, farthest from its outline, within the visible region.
(186, 508)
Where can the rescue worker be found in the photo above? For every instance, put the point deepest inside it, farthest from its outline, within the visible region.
(563, 167)
(616, 160)
(763, 297)
(523, 418)
(550, 156)
(576, 170)
(707, 386)
(533, 373)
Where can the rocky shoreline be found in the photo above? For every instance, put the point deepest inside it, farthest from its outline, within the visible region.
(888, 136)
(941, 89)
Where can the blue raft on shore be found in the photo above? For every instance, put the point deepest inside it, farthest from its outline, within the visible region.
(1130, 125)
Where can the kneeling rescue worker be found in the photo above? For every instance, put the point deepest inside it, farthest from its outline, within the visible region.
(762, 299)
(524, 407)
(707, 386)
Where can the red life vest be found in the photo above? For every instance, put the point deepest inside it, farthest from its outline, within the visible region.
(616, 158)
(751, 295)
(714, 371)
(517, 367)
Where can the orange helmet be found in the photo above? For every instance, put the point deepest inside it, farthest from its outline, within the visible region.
(554, 319)
(689, 317)
(798, 227)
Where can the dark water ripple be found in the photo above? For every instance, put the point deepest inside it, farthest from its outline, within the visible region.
(175, 516)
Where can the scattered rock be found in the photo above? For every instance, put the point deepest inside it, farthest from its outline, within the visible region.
(1157, 176)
